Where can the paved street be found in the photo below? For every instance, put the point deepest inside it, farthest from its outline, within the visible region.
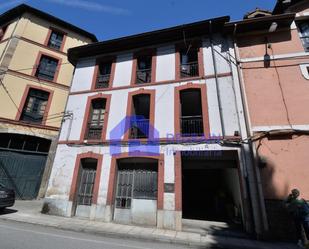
(14, 235)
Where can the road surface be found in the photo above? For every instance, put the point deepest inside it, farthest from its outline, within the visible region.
(14, 235)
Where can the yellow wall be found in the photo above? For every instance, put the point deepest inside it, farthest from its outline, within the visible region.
(24, 59)
(17, 86)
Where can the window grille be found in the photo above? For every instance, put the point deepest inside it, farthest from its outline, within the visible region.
(86, 184)
(137, 184)
(47, 68)
(35, 106)
(55, 40)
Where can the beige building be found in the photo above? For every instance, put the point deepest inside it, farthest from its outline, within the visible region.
(35, 78)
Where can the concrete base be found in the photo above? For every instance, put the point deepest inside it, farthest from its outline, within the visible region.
(57, 207)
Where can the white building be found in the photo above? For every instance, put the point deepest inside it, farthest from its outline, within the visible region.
(180, 157)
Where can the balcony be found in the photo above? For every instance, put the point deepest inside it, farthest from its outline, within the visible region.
(143, 76)
(139, 128)
(102, 81)
(189, 69)
(94, 131)
(191, 126)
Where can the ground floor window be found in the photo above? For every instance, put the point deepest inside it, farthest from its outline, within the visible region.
(135, 182)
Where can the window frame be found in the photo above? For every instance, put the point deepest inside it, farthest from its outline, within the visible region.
(74, 183)
(151, 94)
(99, 61)
(300, 34)
(24, 99)
(37, 65)
(152, 52)
(87, 114)
(180, 46)
(204, 104)
(49, 34)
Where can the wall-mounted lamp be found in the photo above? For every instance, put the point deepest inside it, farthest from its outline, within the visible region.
(273, 27)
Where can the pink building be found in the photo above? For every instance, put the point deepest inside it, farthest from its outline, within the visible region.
(273, 57)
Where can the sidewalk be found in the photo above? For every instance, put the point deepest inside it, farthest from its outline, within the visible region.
(29, 212)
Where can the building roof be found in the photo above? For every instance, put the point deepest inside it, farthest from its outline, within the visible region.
(24, 8)
(282, 5)
(260, 23)
(185, 31)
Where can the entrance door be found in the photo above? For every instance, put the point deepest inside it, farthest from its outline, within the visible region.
(87, 175)
(136, 193)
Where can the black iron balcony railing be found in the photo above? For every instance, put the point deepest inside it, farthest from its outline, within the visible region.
(191, 126)
(46, 72)
(139, 128)
(103, 81)
(143, 76)
(189, 69)
(94, 131)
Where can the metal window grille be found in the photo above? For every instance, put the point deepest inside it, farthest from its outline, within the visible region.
(86, 184)
(124, 189)
(47, 68)
(35, 106)
(304, 30)
(137, 184)
(104, 74)
(55, 40)
(96, 120)
(192, 126)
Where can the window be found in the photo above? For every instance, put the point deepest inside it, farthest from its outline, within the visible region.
(2, 31)
(191, 120)
(143, 69)
(35, 106)
(96, 119)
(189, 62)
(47, 68)
(136, 182)
(139, 125)
(104, 75)
(304, 34)
(86, 182)
(55, 40)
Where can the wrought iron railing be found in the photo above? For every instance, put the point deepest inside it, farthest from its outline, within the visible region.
(46, 71)
(103, 81)
(143, 76)
(139, 128)
(189, 69)
(94, 131)
(192, 126)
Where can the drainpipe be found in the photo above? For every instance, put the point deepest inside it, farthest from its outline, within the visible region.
(256, 178)
(216, 78)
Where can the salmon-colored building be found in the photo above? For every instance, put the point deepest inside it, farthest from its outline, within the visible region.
(273, 61)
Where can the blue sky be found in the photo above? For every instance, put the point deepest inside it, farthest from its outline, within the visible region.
(109, 19)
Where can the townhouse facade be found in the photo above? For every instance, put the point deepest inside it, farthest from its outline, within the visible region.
(35, 79)
(272, 51)
(156, 133)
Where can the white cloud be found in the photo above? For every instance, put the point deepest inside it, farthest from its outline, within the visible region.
(5, 4)
(92, 6)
